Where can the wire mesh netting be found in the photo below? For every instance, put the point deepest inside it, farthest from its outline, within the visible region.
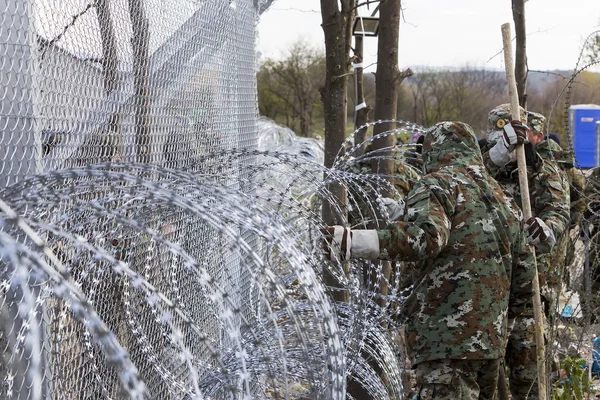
(159, 240)
(148, 248)
(153, 82)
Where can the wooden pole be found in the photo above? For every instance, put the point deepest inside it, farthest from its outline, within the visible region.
(526, 207)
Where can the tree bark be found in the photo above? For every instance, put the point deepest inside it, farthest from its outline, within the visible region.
(518, 10)
(109, 47)
(361, 114)
(141, 79)
(337, 26)
(388, 79)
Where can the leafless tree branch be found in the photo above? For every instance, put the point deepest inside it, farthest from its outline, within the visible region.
(69, 25)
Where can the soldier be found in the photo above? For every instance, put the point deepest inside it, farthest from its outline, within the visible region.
(590, 225)
(549, 195)
(565, 160)
(403, 179)
(550, 151)
(474, 270)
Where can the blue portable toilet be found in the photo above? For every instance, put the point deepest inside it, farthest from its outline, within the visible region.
(584, 122)
(596, 357)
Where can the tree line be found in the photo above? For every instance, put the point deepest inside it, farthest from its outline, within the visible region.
(288, 92)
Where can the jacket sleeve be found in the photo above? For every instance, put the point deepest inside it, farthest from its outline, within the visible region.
(522, 274)
(425, 230)
(490, 166)
(551, 199)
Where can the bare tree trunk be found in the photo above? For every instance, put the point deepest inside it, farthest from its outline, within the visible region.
(141, 79)
(336, 26)
(305, 120)
(518, 9)
(109, 47)
(361, 109)
(388, 80)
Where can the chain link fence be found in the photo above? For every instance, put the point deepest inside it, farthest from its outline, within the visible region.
(160, 83)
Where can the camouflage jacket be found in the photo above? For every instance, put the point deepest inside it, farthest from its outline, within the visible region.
(550, 150)
(592, 190)
(475, 268)
(548, 189)
(360, 197)
(551, 265)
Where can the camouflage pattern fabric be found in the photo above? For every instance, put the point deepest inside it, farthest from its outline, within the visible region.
(577, 189)
(548, 189)
(498, 118)
(550, 201)
(404, 178)
(592, 216)
(457, 379)
(591, 211)
(360, 203)
(521, 358)
(576, 181)
(552, 264)
(593, 186)
(474, 268)
(550, 150)
(535, 121)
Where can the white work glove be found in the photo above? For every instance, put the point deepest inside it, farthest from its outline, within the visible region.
(512, 134)
(394, 209)
(343, 243)
(539, 235)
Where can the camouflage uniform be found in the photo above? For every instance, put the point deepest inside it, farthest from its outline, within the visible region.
(552, 264)
(474, 268)
(552, 152)
(457, 379)
(404, 179)
(591, 215)
(549, 196)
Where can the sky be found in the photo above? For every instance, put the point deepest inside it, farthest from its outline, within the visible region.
(449, 33)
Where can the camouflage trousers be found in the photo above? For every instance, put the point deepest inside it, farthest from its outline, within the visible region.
(457, 379)
(521, 349)
(521, 359)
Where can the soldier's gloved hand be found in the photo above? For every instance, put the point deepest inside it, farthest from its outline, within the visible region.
(512, 134)
(394, 209)
(343, 243)
(539, 235)
(336, 243)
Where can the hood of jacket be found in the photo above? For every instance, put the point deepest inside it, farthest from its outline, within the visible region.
(548, 149)
(450, 144)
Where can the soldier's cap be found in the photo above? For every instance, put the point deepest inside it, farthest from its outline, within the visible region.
(450, 142)
(501, 115)
(535, 121)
